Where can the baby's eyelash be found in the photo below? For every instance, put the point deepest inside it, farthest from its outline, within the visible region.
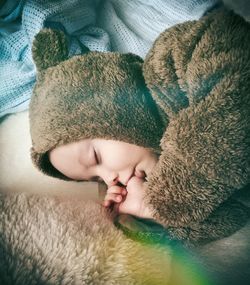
(96, 179)
(96, 157)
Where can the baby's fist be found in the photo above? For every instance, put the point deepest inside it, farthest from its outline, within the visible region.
(114, 194)
(134, 203)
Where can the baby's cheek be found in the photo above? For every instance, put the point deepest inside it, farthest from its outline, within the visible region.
(135, 183)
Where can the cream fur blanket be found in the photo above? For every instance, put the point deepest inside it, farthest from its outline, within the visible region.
(68, 241)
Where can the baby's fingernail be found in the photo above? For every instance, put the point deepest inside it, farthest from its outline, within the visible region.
(118, 199)
(124, 192)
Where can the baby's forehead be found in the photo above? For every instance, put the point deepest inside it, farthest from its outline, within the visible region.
(70, 149)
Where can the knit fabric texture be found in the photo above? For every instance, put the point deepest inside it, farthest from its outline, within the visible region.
(97, 25)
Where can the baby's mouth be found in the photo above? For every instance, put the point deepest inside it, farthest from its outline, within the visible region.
(120, 184)
(137, 173)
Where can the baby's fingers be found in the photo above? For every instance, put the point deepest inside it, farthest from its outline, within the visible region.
(111, 198)
(117, 190)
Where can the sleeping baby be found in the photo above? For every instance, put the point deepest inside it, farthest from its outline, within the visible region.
(108, 161)
(169, 136)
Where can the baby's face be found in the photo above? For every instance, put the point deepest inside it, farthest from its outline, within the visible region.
(103, 160)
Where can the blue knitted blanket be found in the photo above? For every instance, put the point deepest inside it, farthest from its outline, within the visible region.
(100, 25)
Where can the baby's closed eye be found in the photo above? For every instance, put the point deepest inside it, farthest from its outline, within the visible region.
(95, 179)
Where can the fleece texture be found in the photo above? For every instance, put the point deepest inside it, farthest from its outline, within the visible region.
(198, 73)
(72, 241)
(189, 100)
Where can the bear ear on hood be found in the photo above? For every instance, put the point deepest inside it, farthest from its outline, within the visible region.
(49, 48)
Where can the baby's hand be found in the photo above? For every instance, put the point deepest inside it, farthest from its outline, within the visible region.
(115, 194)
(134, 203)
(128, 200)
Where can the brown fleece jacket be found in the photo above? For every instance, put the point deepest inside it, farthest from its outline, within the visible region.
(195, 111)
(199, 74)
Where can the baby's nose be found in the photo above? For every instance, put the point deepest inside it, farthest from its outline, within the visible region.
(113, 181)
